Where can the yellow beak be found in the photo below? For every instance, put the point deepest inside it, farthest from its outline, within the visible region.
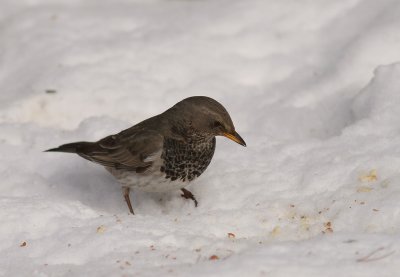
(235, 137)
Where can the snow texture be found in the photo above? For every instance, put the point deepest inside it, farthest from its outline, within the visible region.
(312, 86)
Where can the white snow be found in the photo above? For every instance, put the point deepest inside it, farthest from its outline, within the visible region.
(312, 86)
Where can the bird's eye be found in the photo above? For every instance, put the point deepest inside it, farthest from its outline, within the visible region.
(217, 124)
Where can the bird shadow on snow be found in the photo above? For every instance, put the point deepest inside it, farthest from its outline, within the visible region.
(94, 187)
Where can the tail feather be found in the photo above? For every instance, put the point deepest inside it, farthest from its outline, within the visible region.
(75, 147)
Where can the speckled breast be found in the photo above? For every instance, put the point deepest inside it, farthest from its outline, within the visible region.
(186, 161)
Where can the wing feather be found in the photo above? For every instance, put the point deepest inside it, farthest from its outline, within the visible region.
(133, 152)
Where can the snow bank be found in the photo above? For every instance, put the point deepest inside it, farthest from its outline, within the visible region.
(311, 86)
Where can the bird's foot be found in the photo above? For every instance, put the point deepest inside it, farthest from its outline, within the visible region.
(188, 195)
(127, 198)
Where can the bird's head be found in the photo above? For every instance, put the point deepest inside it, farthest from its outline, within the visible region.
(206, 116)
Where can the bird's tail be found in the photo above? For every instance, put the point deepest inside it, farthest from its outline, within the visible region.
(75, 147)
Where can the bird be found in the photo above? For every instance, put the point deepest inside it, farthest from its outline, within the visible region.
(165, 152)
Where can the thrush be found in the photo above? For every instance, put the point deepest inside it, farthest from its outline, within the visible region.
(165, 152)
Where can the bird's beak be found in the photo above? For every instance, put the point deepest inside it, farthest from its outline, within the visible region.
(235, 137)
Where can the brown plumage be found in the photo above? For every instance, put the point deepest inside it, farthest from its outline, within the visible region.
(164, 152)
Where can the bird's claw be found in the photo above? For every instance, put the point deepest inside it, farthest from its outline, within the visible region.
(188, 195)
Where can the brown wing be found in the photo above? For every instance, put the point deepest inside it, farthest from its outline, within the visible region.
(133, 151)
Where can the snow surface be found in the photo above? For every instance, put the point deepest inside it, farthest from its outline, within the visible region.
(312, 86)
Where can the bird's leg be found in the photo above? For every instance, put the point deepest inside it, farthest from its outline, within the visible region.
(127, 199)
(188, 195)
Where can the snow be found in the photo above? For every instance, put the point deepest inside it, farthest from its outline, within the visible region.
(312, 87)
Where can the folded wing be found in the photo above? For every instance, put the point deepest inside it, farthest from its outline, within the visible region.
(135, 151)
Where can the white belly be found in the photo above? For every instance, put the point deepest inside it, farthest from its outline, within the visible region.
(152, 180)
